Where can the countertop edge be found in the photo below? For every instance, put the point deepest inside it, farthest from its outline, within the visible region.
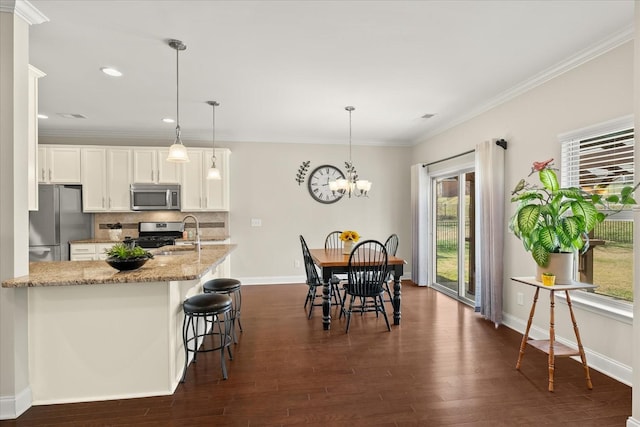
(81, 271)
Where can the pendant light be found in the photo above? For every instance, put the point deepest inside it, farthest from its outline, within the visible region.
(213, 173)
(351, 185)
(177, 151)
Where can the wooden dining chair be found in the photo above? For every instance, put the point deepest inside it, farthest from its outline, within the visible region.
(332, 241)
(315, 283)
(366, 272)
(391, 245)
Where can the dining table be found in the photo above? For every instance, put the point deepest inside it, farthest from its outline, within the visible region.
(334, 261)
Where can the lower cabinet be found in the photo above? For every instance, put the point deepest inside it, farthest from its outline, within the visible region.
(89, 251)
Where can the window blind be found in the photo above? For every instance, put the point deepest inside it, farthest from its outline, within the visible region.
(599, 164)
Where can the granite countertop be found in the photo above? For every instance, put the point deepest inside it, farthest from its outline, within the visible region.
(203, 240)
(94, 241)
(184, 264)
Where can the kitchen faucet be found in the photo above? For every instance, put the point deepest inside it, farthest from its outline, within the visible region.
(184, 220)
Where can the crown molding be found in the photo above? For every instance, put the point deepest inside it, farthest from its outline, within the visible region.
(614, 125)
(24, 10)
(158, 135)
(582, 57)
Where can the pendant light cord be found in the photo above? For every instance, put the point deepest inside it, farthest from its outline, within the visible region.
(178, 95)
(213, 135)
(350, 161)
(213, 104)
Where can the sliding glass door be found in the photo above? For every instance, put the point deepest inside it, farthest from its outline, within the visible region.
(454, 205)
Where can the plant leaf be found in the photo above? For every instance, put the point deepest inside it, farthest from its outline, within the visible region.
(540, 255)
(549, 179)
(528, 218)
(587, 211)
(548, 238)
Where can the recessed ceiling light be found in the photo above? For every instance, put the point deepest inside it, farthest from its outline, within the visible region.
(168, 120)
(111, 71)
(72, 115)
(428, 116)
(43, 116)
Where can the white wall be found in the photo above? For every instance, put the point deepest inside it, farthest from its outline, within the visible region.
(14, 230)
(263, 186)
(595, 92)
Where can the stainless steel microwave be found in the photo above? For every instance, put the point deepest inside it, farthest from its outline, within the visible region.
(155, 197)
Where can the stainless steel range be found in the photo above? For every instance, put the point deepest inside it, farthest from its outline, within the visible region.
(158, 234)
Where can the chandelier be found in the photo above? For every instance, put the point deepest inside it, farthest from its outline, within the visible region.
(351, 185)
(177, 151)
(214, 172)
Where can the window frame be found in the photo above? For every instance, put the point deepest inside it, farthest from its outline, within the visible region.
(605, 305)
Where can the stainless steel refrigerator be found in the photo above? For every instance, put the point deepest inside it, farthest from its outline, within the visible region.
(58, 220)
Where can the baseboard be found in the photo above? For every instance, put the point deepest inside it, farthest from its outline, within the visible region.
(597, 361)
(282, 280)
(632, 422)
(272, 280)
(11, 407)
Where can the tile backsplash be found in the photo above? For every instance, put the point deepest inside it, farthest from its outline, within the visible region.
(213, 225)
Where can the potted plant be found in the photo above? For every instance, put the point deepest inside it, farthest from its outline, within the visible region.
(548, 279)
(553, 220)
(126, 257)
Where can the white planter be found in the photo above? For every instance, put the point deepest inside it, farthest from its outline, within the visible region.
(561, 265)
(347, 247)
(115, 234)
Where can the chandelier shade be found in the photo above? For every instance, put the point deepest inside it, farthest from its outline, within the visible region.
(351, 185)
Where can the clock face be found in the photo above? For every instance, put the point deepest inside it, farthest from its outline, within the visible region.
(319, 184)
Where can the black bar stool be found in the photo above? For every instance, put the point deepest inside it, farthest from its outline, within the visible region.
(231, 287)
(215, 310)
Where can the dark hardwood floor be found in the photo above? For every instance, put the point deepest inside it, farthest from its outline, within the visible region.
(443, 366)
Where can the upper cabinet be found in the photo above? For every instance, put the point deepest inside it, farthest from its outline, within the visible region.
(32, 138)
(59, 164)
(198, 193)
(150, 166)
(106, 177)
(106, 173)
(217, 191)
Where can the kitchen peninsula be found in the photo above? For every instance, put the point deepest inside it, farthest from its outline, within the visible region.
(98, 334)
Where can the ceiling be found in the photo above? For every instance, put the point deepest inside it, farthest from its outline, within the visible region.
(283, 71)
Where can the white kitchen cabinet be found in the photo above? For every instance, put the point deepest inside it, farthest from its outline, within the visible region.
(150, 166)
(119, 179)
(101, 248)
(193, 182)
(89, 251)
(82, 251)
(32, 138)
(106, 176)
(217, 191)
(94, 179)
(59, 164)
(200, 194)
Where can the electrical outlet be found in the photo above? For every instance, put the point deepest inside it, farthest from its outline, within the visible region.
(256, 222)
(520, 298)
(296, 263)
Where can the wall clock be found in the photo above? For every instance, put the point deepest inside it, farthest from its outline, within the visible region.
(318, 184)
